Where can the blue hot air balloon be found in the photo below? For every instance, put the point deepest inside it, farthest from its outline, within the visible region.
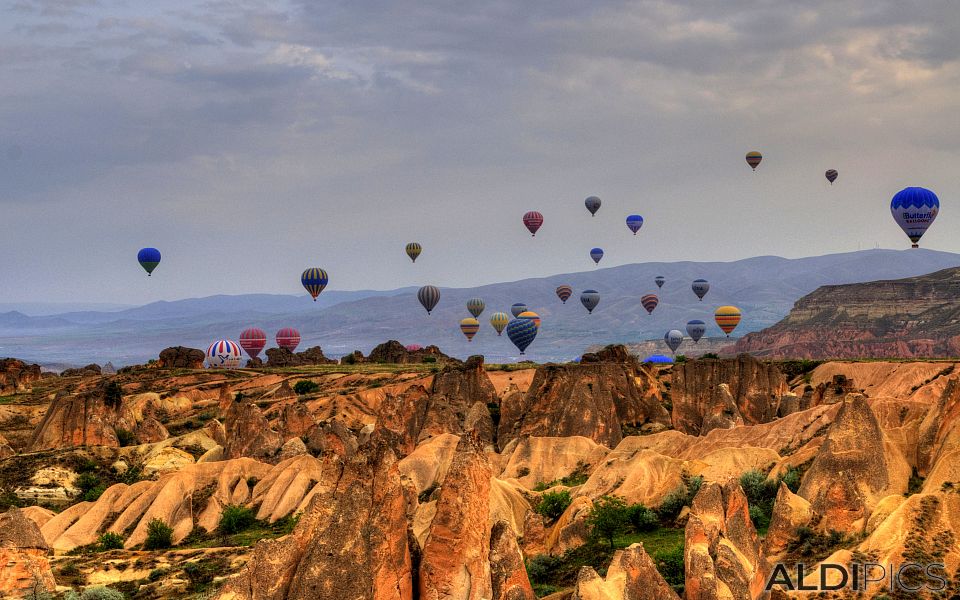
(914, 209)
(518, 308)
(596, 254)
(634, 223)
(700, 288)
(521, 332)
(673, 338)
(148, 258)
(314, 280)
(658, 359)
(590, 299)
(593, 205)
(695, 329)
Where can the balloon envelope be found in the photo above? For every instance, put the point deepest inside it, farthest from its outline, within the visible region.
(314, 280)
(673, 338)
(753, 159)
(659, 280)
(658, 359)
(596, 254)
(499, 320)
(475, 306)
(831, 175)
(252, 341)
(428, 296)
(649, 302)
(590, 299)
(518, 308)
(634, 223)
(223, 354)
(413, 250)
(148, 258)
(695, 329)
(288, 338)
(564, 292)
(700, 288)
(727, 318)
(529, 314)
(533, 220)
(469, 327)
(593, 204)
(521, 332)
(914, 209)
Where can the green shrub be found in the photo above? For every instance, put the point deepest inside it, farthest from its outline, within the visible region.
(94, 494)
(680, 358)
(552, 504)
(710, 355)
(792, 479)
(305, 386)
(156, 574)
(110, 541)
(429, 359)
(671, 506)
(236, 519)
(642, 518)
(670, 564)
(90, 486)
(159, 535)
(541, 566)
(760, 517)
(609, 518)
(101, 592)
(126, 438)
(113, 395)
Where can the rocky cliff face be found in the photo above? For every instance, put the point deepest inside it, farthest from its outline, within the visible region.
(393, 352)
(281, 357)
(915, 317)
(24, 567)
(594, 399)
(16, 375)
(721, 393)
(181, 357)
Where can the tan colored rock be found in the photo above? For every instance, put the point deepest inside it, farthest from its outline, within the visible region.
(428, 464)
(248, 432)
(939, 433)
(508, 575)
(632, 575)
(544, 459)
(637, 476)
(167, 459)
(24, 567)
(570, 530)
(790, 511)
(291, 448)
(16, 376)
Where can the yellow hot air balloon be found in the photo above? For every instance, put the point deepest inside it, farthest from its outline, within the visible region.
(727, 318)
(529, 314)
(469, 327)
(499, 320)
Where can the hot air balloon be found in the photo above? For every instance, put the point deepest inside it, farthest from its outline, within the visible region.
(673, 338)
(529, 314)
(413, 250)
(469, 327)
(695, 329)
(148, 258)
(521, 332)
(649, 302)
(252, 341)
(414, 347)
(727, 318)
(288, 338)
(428, 296)
(831, 175)
(564, 292)
(590, 299)
(700, 288)
(596, 254)
(499, 320)
(533, 220)
(914, 209)
(634, 223)
(475, 306)
(660, 280)
(314, 280)
(223, 354)
(658, 359)
(753, 159)
(518, 308)
(593, 205)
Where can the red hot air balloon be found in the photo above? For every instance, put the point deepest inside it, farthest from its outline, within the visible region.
(533, 220)
(252, 341)
(649, 302)
(288, 338)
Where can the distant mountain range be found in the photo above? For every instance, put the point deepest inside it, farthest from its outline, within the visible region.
(765, 288)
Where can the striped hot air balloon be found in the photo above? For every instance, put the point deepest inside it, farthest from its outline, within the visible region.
(593, 205)
(533, 220)
(429, 296)
(499, 320)
(223, 354)
(695, 329)
(288, 338)
(727, 318)
(634, 223)
(753, 159)
(564, 292)
(521, 332)
(475, 306)
(700, 287)
(252, 341)
(518, 308)
(413, 250)
(148, 258)
(529, 314)
(590, 299)
(596, 254)
(469, 327)
(659, 280)
(649, 302)
(314, 280)
(831, 175)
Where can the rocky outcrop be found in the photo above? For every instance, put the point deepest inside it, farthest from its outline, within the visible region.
(281, 357)
(593, 399)
(903, 318)
(91, 370)
(790, 511)
(939, 434)
(88, 418)
(855, 467)
(632, 575)
(24, 567)
(181, 357)
(16, 376)
(722, 554)
(709, 394)
(393, 352)
(508, 575)
(248, 432)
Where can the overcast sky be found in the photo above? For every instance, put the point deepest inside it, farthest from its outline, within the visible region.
(249, 140)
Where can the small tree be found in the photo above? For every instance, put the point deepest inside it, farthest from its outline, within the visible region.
(305, 386)
(642, 518)
(110, 541)
(552, 504)
(159, 535)
(609, 518)
(235, 519)
(113, 395)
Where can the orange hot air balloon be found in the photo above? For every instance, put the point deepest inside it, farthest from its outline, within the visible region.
(727, 318)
